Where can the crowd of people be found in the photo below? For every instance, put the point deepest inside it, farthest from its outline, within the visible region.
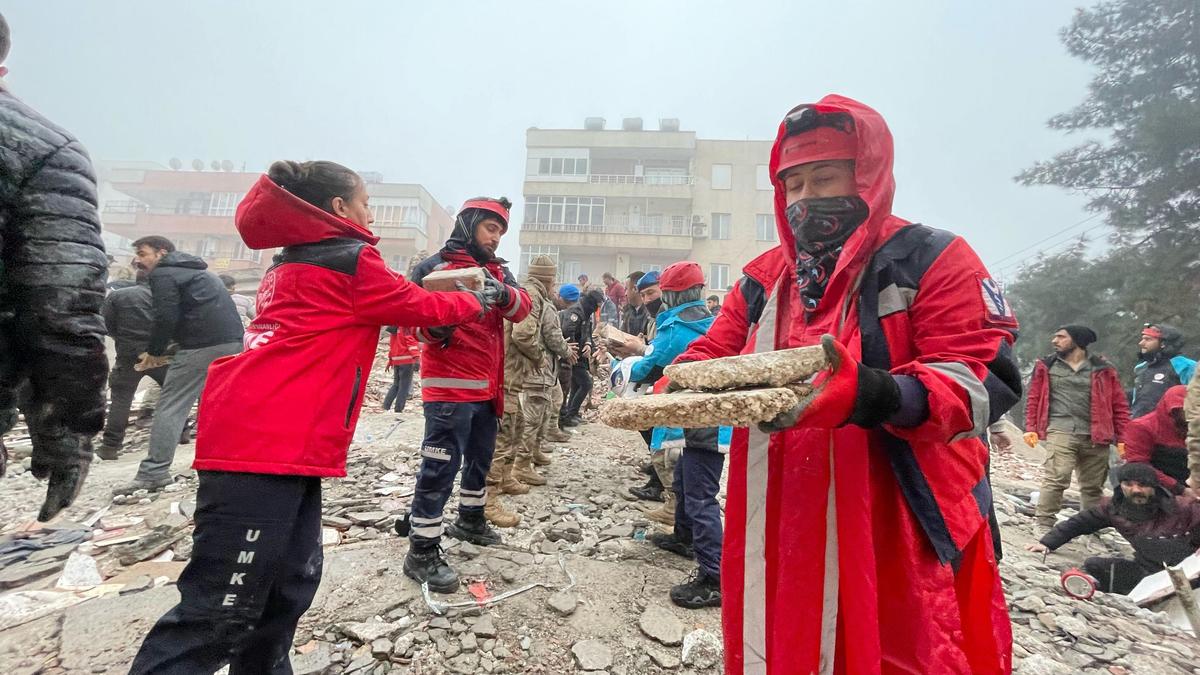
(858, 517)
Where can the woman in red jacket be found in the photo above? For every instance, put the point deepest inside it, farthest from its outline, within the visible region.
(403, 354)
(279, 416)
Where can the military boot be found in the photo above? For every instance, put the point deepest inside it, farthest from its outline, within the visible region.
(495, 512)
(540, 457)
(425, 564)
(664, 514)
(501, 477)
(523, 471)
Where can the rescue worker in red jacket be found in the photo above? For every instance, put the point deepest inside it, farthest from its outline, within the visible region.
(857, 536)
(279, 416)
(403, 355)
(462, 386)
(1160, 440)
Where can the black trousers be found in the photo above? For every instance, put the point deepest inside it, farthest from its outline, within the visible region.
(402, 379)
(1115, 575)
(122, 385)
(581, 388)
(255, 567)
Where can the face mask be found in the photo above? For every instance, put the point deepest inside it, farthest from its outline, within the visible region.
(822, 224)
(654, 305)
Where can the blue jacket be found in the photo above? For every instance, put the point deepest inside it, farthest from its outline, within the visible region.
(677, 328)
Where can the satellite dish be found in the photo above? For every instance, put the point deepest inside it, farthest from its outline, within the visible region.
(226, 165)
(176, 163)
(197, 165)
(216, 166)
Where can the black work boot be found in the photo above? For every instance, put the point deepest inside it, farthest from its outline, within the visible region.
(700, 590)
(670, 542)
(652, 491)
(425, 564)
(472, 526)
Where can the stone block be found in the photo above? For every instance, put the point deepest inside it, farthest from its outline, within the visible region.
(697, 410)
(768, 369)
(446, 280)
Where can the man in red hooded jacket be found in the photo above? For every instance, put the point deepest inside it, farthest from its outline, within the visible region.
(1160, 440)
(462, 386)
(857, 535)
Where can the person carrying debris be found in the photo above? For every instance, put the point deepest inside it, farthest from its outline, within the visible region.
(1160, 440)
(52, 272)
(192, 309)
(462, 386)
(1162, 529)
(1160, 367)
(128, 315)
(279, 416)
(533, 349)
(857, 535)
(1077, 407)
(689, 462)
(403, 355)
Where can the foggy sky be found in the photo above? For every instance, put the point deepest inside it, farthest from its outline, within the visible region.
(441, 92)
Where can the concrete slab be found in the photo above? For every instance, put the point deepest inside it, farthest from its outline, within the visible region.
(106, 633)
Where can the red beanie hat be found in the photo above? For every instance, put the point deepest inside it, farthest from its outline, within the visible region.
(681, 276)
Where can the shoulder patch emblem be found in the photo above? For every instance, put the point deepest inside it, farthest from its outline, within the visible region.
(996, 306)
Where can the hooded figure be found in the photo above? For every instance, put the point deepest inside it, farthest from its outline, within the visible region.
(1159, 440)
(1159, 369)
(857, 537)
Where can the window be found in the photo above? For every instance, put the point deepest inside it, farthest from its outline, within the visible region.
(243, 252)
(722, 176)
(571, 271)
(528, 253)
(398, 212)
(562, 166)
(764, 226)
(206, 247)
(718, 277)
(720, 225)
(223, 203)
(666, 176)
(568, 212)
(762, 177)
(652, 268)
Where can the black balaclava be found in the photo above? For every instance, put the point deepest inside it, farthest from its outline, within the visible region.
(821, 226)
(589, 301)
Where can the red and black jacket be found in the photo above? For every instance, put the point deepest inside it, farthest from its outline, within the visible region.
(1156, 440)
(402, 346)
(289, 403)
(1110, 410)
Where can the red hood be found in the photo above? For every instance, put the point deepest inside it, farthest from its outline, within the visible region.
(270, 217)
(1166, 430)
(873, 175)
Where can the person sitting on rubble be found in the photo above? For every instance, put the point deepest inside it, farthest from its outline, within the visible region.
(280, 415)
(1163, 529)
(1160, 440)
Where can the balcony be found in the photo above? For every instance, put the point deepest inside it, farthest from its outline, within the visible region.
(618, 232)
(615, 185)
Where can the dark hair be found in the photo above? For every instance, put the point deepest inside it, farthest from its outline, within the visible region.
(5, 39)
(229, 281)
(155, 242)
(715, 298)
(636, 276)
(315, 182)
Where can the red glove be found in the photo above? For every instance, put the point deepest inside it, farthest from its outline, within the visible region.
(662, 385)
(833, 396)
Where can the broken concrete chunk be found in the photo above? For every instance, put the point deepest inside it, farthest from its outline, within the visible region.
(661, 625)
(702, 649)
(446, 280)
(592, 655)
(768, 369)
(694, 410)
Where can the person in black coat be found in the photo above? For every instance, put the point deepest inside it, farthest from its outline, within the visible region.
(52, 276)
(577, 325)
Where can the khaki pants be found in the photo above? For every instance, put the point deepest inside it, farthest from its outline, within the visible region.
(508, 439)
(1067, 453)
(536, 405)
(556, 404)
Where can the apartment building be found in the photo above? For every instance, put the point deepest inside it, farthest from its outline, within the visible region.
(195, 210)
(618, 200)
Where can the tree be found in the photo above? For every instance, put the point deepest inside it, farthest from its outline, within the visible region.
(1143, 174)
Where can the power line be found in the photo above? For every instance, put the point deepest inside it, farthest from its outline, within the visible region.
(1000, 271)
(1048, 238)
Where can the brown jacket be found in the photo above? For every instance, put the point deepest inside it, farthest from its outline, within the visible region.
(534, 346)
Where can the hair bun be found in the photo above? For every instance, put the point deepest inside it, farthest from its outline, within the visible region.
(286, 173)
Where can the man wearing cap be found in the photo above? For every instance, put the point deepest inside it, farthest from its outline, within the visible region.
(534, 347)
(1160, 366)
(1163, 529)
(856, 533)
(577, 323)
(1077, 407)
(462, 386)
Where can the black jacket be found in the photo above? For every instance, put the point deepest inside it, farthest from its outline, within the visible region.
(576, 321)
(129, 316)
(634, 320)
(53, 273)
(191, 306)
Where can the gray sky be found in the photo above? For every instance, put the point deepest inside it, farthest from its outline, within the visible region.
(441, 93)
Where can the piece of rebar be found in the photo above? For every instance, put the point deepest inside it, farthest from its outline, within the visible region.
(441, 607)
(1183, 590)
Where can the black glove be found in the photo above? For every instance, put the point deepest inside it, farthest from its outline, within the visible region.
(486, 297)
(63, 457)
(441, 334)
(501, 290)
